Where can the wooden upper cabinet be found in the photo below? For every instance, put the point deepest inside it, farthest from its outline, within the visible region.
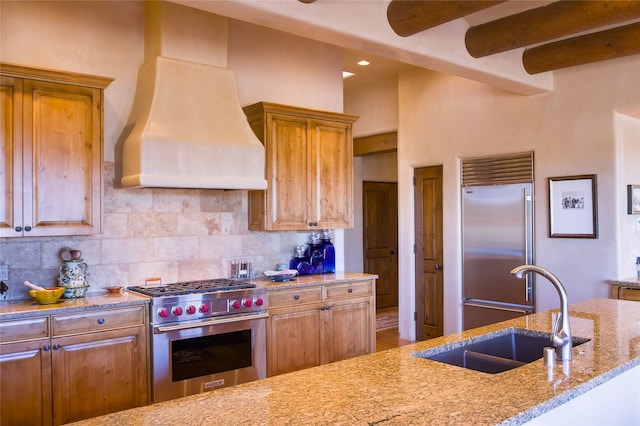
(52, 150)
(309, 169)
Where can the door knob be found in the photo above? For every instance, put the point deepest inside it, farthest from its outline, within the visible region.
(438, 267)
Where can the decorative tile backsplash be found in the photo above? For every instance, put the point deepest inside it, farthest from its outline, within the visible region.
(174, 234)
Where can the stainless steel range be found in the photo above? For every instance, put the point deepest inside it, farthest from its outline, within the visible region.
(205, 335)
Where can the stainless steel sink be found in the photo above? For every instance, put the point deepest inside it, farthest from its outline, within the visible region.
(495, 352)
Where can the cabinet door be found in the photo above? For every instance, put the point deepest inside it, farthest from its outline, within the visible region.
(347, 329)
(10, 155)
(62, 154)
(331, 175)
(288, 184)
(293, 339)
(25, 383)
(99, 373)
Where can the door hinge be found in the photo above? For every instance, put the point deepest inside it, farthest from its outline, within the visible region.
(415, 316)
(414, 249)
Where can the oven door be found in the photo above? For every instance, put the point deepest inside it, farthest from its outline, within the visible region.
(190, 358)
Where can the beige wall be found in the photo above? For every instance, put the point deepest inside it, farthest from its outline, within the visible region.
(176, 234)
(572, 131)
(377, 107)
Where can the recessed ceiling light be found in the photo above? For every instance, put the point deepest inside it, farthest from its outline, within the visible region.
(346, 74)
(363, 63)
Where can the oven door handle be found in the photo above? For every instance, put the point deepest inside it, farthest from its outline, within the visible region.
(217, 321)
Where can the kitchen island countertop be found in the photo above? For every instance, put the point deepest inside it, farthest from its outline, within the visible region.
(393, 387)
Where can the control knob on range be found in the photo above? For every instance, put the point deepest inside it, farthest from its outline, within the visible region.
(176, 311)
(204, 309)
(163, 312)
(191, 310)
(247, 303)
(235, 304)
(258, 301)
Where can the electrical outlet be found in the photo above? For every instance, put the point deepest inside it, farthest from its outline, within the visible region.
(4, 272)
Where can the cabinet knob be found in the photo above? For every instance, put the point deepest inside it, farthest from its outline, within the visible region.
(322, 308)
(350, 290)
(27, 228)
(56, 347)
(328, 308)
(46, 348)
(100, 321)
(438, 267)
(296, 297)
(18, 228)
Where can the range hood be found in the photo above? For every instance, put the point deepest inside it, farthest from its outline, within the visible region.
(188, 129)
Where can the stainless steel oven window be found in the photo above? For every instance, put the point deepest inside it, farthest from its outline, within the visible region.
(201, 356)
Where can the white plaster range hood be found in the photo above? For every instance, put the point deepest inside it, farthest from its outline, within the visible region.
(188, 129)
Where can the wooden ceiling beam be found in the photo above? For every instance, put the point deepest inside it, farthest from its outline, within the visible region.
(601, 46)
(408, 17)
(553, 21)
(375, 144)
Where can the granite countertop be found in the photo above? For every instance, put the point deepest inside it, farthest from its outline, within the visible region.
(627, 282)
(394, 387)
(16, 309)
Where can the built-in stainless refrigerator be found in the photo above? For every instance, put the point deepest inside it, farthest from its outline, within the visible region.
(497, 236)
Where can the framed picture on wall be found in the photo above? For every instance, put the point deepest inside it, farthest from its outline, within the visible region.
(633, 199)
(573, 207)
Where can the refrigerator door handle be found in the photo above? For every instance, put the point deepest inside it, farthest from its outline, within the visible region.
(527, 255)
(500, 308)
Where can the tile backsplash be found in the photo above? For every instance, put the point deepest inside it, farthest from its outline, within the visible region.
(174, 234)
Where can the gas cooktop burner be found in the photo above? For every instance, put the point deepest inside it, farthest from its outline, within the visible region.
(191, 287)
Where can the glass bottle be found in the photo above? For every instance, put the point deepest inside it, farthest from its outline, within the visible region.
(299, 262)
(638, 266)
(328, 251)
(316, 258)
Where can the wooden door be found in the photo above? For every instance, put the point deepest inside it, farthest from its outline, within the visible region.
(62, 154)
(380, 228)
(10, 155)
(99, 373)
(346, 329)
(429, 276)
(293, 338)
(286, 156)
(330, 175)
(25, 383)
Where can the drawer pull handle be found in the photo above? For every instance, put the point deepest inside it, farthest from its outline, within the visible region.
(350, 290)
(56, 347)
(46, 348)
(296, 297)
(100, 321)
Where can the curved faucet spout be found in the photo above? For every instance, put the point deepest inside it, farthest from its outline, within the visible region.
(561, 337)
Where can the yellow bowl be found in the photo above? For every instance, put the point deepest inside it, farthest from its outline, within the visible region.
(47, 296)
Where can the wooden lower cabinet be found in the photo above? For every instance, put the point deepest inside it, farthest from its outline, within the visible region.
(625, 293)
(309, 326)
(74, 375)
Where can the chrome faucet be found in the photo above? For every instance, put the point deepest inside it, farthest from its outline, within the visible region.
(561, 335)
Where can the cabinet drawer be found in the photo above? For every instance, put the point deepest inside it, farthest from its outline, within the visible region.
(98, 320)
(354, 289)
(295, 297)
(26, 329)
(629, 294)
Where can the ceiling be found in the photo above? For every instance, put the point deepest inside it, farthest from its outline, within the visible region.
(576, 32)
(435, 35)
